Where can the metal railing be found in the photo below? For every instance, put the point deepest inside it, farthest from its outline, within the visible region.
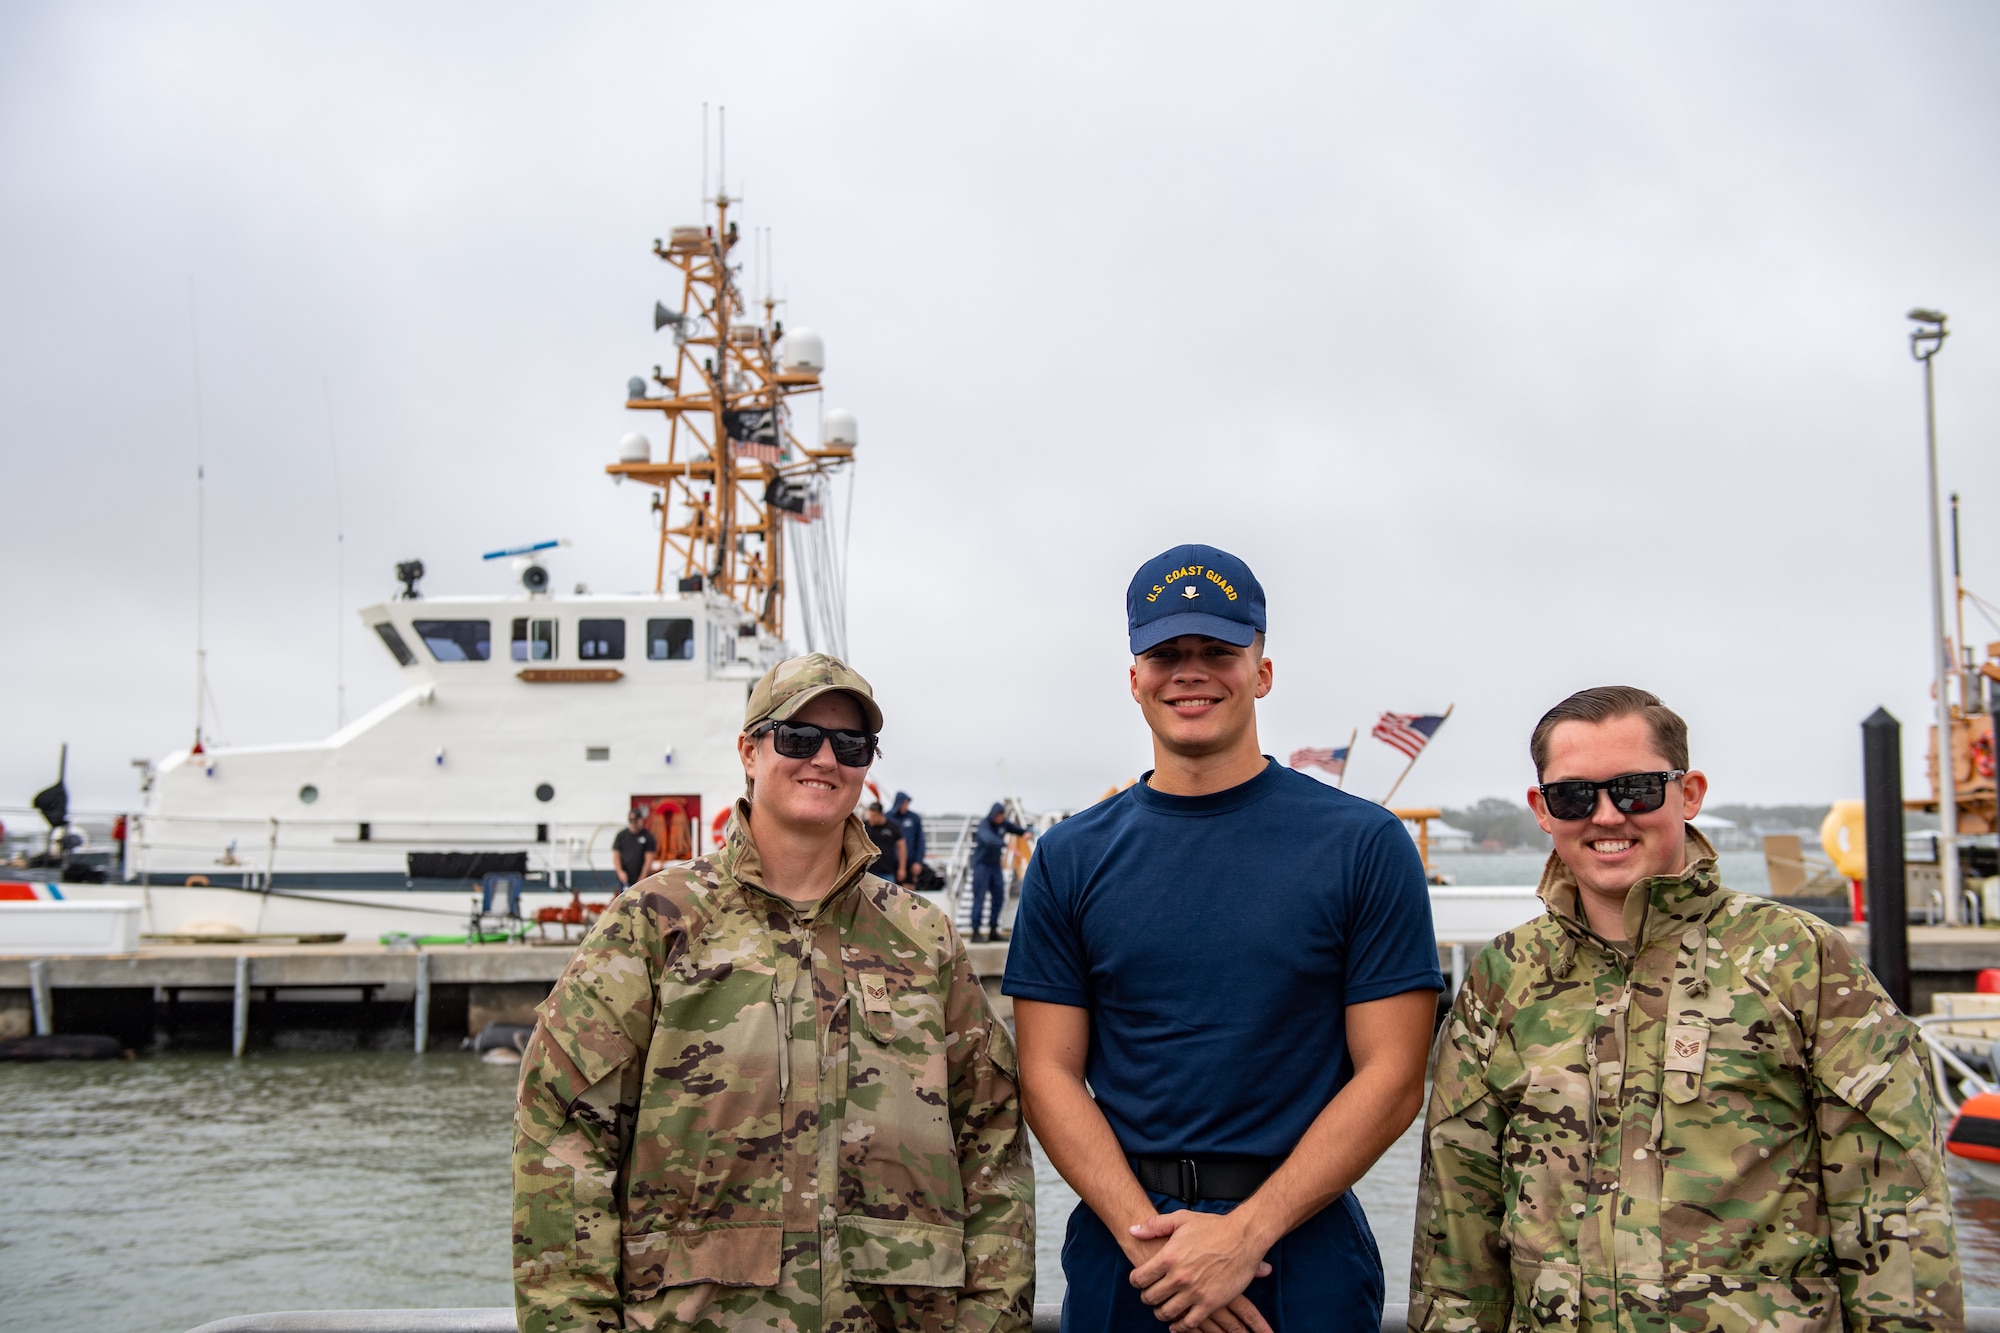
(1048, 1319)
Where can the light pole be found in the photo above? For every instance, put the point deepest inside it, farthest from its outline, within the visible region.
(1925, 340)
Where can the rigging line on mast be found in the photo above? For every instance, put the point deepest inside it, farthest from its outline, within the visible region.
(339, 570)
(1985, 608)
(221, 731)
(847, 527)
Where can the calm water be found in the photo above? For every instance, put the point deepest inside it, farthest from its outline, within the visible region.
(157, 1195)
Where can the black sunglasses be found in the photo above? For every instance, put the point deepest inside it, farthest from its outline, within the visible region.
(801, 740)
(1631, 793)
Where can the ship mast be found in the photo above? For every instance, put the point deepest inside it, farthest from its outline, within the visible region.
(734, 471)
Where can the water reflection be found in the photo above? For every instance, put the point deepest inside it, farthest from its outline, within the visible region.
(1975, 1205)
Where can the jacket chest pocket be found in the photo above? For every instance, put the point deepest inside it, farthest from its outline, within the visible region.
(896, 1136)
(896, 1015)
(1686, 1058)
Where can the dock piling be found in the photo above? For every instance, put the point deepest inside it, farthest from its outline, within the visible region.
(38, 992)
(423, 1001)
(239, 1027)
(1888, 908)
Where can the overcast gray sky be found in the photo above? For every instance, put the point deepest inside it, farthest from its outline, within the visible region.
(1518, 348)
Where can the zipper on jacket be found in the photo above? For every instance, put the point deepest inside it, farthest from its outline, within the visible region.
(782, 1007)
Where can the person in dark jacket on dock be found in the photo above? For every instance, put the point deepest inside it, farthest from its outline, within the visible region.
(989, 840)
(892, 863)
(912, 825)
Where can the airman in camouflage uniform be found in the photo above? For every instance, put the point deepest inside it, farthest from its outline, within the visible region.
(1717, 1122)
(742, 1111)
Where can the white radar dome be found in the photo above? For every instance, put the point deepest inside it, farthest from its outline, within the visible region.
(801, 350)
(839, 430)
(635, 448)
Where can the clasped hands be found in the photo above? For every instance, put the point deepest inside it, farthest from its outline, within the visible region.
(1192, 1268)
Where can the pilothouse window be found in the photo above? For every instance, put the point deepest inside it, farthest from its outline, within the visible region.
(534, 640)
(456, 640)
(670, 640)
(600, 640)
(395, 644)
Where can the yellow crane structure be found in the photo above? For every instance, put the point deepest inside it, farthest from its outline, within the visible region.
(735, 471)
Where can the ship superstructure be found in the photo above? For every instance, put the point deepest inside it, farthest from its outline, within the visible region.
(529, 724)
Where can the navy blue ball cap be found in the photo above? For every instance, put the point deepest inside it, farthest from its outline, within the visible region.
(1194, 589)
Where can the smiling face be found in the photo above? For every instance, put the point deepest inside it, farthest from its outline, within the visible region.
(1200, 695)
(1611, 851)
(806, 794)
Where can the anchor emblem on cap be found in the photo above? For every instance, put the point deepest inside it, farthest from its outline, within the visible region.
(1190, 592)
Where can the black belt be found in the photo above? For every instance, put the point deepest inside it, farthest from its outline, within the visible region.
(1226, 1179)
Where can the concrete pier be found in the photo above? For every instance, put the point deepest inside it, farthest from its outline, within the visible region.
(245, 993)
(243, 996)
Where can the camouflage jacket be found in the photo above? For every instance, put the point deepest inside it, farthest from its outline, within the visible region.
(741, 1112)
(1726, 1125)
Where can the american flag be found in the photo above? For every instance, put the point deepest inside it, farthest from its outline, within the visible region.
(1408, 732)
(1333, 761)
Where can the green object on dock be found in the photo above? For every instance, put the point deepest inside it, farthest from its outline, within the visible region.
(396, 937)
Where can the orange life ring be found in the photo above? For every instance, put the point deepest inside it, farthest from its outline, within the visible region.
(1982, 754)
(1981, 1112)
(195, 882)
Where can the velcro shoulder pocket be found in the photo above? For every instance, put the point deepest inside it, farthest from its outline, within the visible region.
(585, 1019)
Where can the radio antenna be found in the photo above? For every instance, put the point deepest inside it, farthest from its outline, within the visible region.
(704, 159)
(200, 530)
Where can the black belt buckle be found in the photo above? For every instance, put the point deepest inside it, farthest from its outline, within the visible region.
(1190, 1180)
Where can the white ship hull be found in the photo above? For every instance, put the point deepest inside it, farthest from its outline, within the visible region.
(1470, 916)
(526, 751)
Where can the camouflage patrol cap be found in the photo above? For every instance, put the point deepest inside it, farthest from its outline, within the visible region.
(797, 681)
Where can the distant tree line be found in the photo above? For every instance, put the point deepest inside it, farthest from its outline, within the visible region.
(1494, 819)
(1804, 818)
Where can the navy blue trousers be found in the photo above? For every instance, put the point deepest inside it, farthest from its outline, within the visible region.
(1325, 1275)
(987, 880)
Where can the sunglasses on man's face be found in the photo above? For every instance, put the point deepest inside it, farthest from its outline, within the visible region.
(1631, 793)
(801, 740)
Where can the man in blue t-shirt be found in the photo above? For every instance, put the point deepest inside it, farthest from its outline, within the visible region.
(1224, 985)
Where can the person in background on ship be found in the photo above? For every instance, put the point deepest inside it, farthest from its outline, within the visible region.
(989, 845)
(1666, 1104)
(912, 825)
(1224, 983)
(631, 849)
(892, 863)
(769, 1091)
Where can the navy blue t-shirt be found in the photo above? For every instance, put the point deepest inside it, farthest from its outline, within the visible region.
(1216, 941)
